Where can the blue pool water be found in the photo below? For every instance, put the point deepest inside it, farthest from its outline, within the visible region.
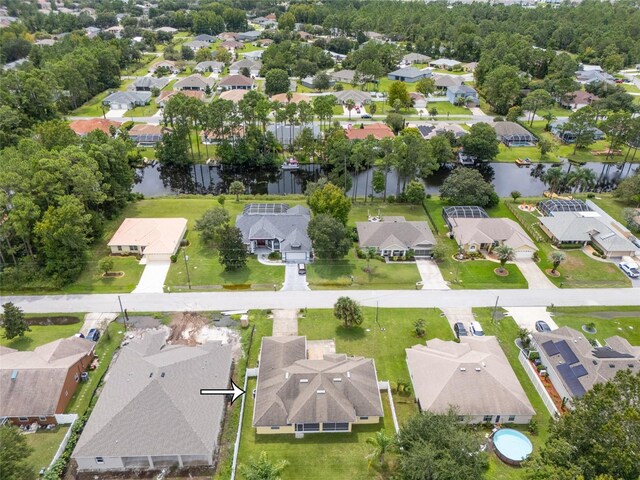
(512, 444)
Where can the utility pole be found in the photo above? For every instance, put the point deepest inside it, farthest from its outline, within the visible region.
(495, 307)
(186, 265)
(124, 314)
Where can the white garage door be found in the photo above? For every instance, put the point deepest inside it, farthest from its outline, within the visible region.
(295, 257)
(524, 253)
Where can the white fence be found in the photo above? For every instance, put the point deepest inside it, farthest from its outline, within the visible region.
(537, 383)
(64, 419)
(384, 385)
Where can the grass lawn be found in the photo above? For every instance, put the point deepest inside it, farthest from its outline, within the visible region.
(92, 108)
(107, 345)
(45, 444)
(510, 154)
(609, 321)
(447, 108)
(506, 330)
(471, 274)
(91, 279)
(448, 72)
(139, 68)
(144, 111)
(41, 334)
(360, 211)
(384, 83)
(630, 87)
(612, 206)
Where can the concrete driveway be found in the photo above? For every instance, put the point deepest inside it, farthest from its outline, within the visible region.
(111, 114)
(459, 314)
(431, 276)
(97, 320)
(526, 317)
(535, 277)
(285, 323)
(293, 281)
(153, 277)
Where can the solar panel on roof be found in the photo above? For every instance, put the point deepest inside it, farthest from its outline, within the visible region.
(570, 380)
(579, 370)
(550, 348)
(607, 352)
(566, 352)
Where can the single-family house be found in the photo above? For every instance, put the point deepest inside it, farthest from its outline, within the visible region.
(150, 414)
(513, 134)
(92, 32)
(344, 76)
(237, 82)
(196, 45)
(444, 63)
(195, 82)
(559, 129)
(295, 98)
(126, 100)
(250, 36)
(470, 67)
(594, 76)
(418, 100)
(286, 134)
(146, 84)
(115, 31)
(375, 36)
(260, 21)
(305, 36)
(464, 94)
(376, 130)
(485, 234)
(578, 99)
(574, 365)
(170, 30)
(169, 65)
(473, 376)
(251, 66)
(264, 42)
(393, 236)
(584, 228)
(38, 384)
(203, 37)
(225, 36)
(414, 57)
(296, 394)
(409, 74)
(153, 238)
(254, 55)
(276, 227)
(166, 95)
(358, 96)
(233, 95)
(209, 66)
(428, 131)
(445, 81)
(232, 45)
(85, 126)
(308, 82)
(146, 135)
(46, 42)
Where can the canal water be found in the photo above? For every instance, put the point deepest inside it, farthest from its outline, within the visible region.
(156, 181)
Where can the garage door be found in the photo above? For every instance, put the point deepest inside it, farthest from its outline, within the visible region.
(524, 253)
(295, 257)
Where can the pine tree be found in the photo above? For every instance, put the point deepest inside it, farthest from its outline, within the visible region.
(13, 321)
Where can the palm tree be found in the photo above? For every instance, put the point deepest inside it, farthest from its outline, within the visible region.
(382, 444)
(549, 117)
(263, 469)
(350, 104)
(556, 258)
(582, 179)
(505, 254)
(553, 177)
(236, 188)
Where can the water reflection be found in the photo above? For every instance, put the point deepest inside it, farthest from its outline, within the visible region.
(156, 180)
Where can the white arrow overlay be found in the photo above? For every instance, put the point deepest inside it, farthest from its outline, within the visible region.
(235, 390)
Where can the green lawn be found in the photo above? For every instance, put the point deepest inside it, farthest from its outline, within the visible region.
(45, 444)
(139, 68)
(92, 108)
(506, 330)
(609, 321)
(612, 206)
(447, 108)
(448, 72)
(41, 334)
(107, 345)
(510, 154)
(91, 280)
(360, 211)
(144, 111)
(630, 87)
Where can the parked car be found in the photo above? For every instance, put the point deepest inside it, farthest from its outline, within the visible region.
(630, 268)
(302, 269)
(459, 329)
(476, 329)
(93, 335)
(79, 335)
(542, 326)
(365, 115)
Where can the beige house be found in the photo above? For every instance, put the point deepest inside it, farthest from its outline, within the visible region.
(395, 236)
(295, 394)
(38, 384)
(154, 238)
(475, 234)
(473, 376)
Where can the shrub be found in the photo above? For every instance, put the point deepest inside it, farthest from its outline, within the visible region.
(391, 199)
(419, 327)
(533, 427)
(360, 253)
(541, 367)
(174, 258)
(275, 256)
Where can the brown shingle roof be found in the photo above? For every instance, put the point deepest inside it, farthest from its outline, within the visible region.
(377, 130)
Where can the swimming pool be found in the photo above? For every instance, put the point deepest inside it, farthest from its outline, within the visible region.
(512, 447)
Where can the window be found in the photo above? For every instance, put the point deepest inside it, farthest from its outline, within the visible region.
(335, 427)
(119, 248)
(512, 418)
(307, 427)
(487, 418)
(99, 460)
(461, 418)
(42, 419)
(133, 248)
(364, 418)
(23, 419)
(77, 378)
(275, 428)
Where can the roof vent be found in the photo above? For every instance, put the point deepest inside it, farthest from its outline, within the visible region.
(611, 365)
(14, 375)
(151, 375)
(478, 369)
(348, 374)
(304, 380)
(162, 374)
(286, 375)
(484, 365)
(462, 369)
(321, 391)
(337, 379)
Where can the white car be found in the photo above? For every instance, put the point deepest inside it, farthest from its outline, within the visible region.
(476, 329)
(630, 268)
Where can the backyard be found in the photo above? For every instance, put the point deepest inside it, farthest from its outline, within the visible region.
(41, 334)
(609, 321)
(45, 444)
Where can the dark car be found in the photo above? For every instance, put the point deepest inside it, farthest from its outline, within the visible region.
(542, 326)
(460, 330)
(93, 335)
(365, 115)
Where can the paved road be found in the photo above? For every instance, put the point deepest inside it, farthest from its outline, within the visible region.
(205, 301)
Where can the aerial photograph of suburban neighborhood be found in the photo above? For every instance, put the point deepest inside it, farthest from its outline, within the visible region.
(320, 239)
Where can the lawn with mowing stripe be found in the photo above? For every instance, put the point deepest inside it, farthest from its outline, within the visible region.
(609, 321)
(612, 206)
(41, 334)
(45, 444)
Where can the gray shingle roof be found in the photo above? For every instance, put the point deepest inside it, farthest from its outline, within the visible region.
(289, 227)
(410, 72)
(488, 230)
(150, 82)
(151, 404)
(194, 81)
(357, 96)
(128, 97)
(335, 389)
(395, 234)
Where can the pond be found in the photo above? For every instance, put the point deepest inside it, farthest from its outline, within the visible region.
(156, 181)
